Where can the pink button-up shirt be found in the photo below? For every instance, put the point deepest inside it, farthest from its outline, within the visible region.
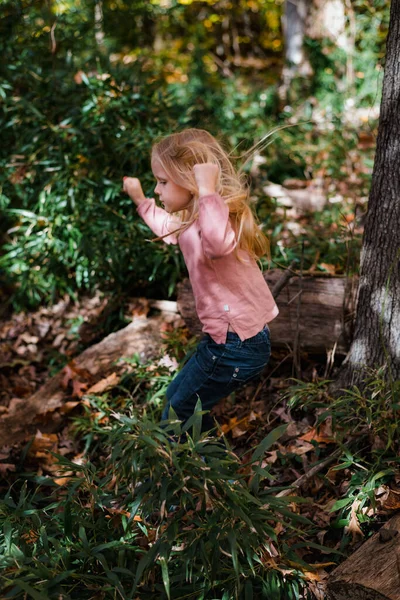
(226, 291)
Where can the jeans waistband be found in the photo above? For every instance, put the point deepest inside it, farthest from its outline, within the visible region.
(232, 336)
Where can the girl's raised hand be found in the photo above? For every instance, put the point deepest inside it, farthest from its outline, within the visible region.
(206, 175)
(132, 186)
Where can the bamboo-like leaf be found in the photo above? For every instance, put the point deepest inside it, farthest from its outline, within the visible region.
(268, 441)
(165, 575)
(248, 590)
(35, 594)
(146, 560)
(233, 546)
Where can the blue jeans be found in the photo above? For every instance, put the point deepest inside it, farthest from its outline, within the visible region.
(215, 371)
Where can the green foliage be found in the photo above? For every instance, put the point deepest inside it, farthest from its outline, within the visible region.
(367, 430)
(370, 412)
(73, 228)
(78, 112)
(152, 512)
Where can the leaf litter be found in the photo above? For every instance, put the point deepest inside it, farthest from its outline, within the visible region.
(28, 359)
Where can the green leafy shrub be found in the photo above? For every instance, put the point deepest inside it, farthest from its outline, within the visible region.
(76, 116)
(366, 429)
(157, 515)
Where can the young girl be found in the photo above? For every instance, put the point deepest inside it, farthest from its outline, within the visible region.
(206, 212)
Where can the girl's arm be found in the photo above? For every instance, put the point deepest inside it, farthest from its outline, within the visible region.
(217, 235)
(154, 216)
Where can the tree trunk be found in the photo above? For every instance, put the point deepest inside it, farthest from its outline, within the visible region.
(327, 19)
(373, 571)
(294, 22)
(99, 26)
(296, 61)
(376, 341)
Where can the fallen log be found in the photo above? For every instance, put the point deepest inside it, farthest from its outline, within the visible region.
(46, 408)
(373, 571)
(325, 308)
(323, 320)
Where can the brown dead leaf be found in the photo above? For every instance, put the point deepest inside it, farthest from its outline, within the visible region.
(349, 218)
(295, 184)
(321, 436)
(58, 340)
(166, 328)
(30, 537)
(104, 384)
(331, 269)
(67, 407)
(28, 339)
(70, 375)
(299, 447)
(138, 307)
(271, 458)
(238, 432)
(311, 576)
(354, 527)
(101, 417)
(237, 426)
(43, 441)
(78, 388)
(4, 467)
(388, 499)
(63, 480)
(366, 140)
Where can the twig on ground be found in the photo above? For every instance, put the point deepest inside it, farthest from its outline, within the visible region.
(310, 473)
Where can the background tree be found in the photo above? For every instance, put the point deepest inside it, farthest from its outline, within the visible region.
(376, 339)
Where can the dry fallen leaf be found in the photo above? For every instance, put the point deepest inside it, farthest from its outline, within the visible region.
(78, 388)
(331, 269)
(237, 426)
(388, 499)
(4, 467)
(104, 384)
(299, 447)
(320, 436)
(270, 459)
(67, 407)
(43, 441)
(354, 527)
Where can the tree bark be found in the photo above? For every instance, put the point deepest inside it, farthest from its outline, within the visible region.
(373, 571)
(327, 19)
(296, 61)
(376, 341)
(294, 23)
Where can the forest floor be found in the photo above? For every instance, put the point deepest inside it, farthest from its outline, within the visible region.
(34, 346)
(344, 471)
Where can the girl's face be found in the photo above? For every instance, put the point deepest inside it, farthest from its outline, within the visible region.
(173, 197)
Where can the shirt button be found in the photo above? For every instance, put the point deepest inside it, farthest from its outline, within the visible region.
(226, 307)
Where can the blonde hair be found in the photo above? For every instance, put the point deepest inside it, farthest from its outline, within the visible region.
(178, 153)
